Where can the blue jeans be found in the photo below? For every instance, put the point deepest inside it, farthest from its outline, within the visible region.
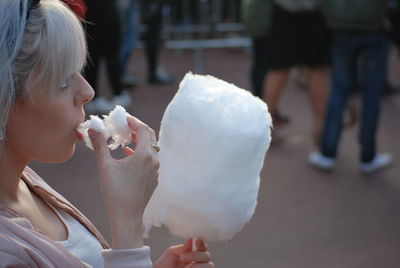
(130, 31)
(346, 48)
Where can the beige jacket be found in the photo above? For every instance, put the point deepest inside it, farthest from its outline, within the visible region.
(21, 245)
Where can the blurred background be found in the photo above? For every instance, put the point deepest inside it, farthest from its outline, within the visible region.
(140, 51)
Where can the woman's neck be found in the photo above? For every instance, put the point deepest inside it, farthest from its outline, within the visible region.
(11, 168)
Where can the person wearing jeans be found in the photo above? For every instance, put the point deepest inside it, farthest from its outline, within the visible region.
(129, 17)
(374, 49)
(104, 41)
(350, 42)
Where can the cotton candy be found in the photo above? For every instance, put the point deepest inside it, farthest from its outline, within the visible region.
(113, 126)
(118, 128)
(94, 123)
(213, 140)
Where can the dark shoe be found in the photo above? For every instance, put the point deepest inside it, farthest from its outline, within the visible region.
(276, 138)
(161, 77)
(279, 120)
(129, 81)
(390, 90)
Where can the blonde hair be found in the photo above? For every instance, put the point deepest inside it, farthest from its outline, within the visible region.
(45, 49)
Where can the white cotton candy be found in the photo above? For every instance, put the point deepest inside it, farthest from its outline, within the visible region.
(213, 140)
(114, 125)
(118, 128)
(94, 123)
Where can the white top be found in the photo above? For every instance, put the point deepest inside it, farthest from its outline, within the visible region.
(80, 242)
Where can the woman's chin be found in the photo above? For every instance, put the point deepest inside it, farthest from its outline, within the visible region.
(60, 156)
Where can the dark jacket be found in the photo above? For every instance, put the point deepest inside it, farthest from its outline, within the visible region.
(355, 15)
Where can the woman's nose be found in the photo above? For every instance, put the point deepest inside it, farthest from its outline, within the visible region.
(86, 91)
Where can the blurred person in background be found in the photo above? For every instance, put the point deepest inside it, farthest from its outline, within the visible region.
(257, 16)
(104, 41)
(153, 17)
(298, 37)
(394, 18)
(394, 34)
(151, 14)
(130, 29)
(358, 31)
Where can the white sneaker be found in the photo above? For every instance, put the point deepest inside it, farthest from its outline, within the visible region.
(324, 163)
(90, 107)
(124, 99)
(102, 105)
(380, 161)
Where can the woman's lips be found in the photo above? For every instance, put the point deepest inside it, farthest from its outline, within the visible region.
(77, 132)
(78, 135)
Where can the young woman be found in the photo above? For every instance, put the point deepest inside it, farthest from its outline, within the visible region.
(42, 93)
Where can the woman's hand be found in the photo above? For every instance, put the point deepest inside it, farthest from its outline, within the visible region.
(127, 184)
(182, 256)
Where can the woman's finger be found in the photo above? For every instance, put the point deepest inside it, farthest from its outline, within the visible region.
(196, 256)
(136, 125)
(133, 122)
(99, 146)
(200, 265)
(145, 136)
(180, 249)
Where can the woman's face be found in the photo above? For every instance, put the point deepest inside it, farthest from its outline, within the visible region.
(44, 128)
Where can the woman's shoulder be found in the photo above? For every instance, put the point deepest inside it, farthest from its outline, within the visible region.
(19, 249)
(32, 177)
(11, 253)
(39, 186)
(22, 246)
(16, 242)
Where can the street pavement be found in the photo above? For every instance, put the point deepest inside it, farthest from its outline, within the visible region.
(304, 218)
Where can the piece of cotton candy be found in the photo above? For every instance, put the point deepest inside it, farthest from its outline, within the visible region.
(114, 125)
(94, 123)
(213, 140)
(117, 128)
